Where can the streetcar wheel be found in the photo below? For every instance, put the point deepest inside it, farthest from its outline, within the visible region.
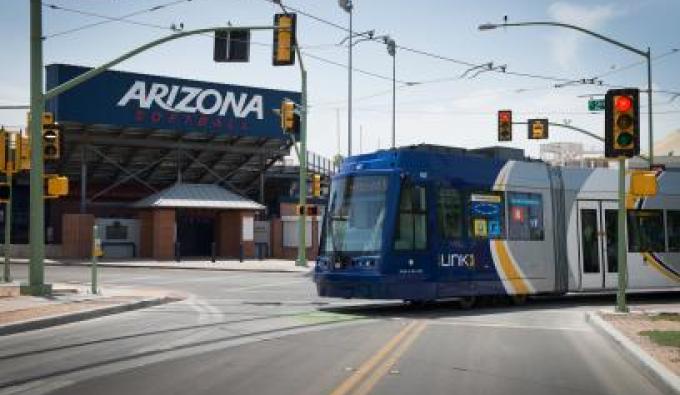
(467, 302)
(518, 300)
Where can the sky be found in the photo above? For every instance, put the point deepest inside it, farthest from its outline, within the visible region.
(439, 101)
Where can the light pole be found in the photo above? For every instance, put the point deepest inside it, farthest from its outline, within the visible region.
(348, 6)
(302, 156)
(645, 54)
(392, 50)
(36, 285)
(621, 234)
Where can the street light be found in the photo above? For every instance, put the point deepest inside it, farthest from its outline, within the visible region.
(392, 51)
(621, 236)
(646, 54)
(348, 6)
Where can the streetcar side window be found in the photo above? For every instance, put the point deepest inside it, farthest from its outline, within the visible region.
(411, 232)
(486, 213)
(646, 231)
(526, 216)
(450, 213)
(673, 229)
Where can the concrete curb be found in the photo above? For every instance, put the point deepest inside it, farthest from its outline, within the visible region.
(176, 267)
(54, 320)
(664, 379)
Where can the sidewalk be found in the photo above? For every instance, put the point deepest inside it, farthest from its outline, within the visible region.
(631, 334)
(254, 265)
(74, 302)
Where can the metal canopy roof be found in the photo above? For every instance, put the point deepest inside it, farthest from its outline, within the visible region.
(205, 196)
(162, 157)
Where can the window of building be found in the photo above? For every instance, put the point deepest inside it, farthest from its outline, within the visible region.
(411, 233)
(646, 231)
(673, 229)
(486, 215)
(526, 216)
(450, 213)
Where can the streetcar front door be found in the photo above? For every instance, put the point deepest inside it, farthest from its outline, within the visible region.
(598, 236)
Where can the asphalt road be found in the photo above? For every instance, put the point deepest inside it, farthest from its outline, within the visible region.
(268, 333)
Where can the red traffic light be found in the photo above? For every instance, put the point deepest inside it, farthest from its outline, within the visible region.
(623, 103)
(504, 116)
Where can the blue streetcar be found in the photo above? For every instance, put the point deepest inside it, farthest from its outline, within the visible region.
(427, 222)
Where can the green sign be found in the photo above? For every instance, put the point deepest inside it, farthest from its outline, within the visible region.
(596, 105)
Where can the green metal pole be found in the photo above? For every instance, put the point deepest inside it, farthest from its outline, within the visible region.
(302, 220)
(36, 274)
(621, 241)
(8, 226)
(649, 104)
(94, 260)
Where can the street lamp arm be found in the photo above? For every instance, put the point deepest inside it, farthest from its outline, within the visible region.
(573, 27)
(98, 70)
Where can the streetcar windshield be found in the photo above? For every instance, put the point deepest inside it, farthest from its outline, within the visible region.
(356, 212)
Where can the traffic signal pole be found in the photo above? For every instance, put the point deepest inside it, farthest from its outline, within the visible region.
(621, 241)
(7, 277)
(36, 271)
(302, 156)
(36, 285)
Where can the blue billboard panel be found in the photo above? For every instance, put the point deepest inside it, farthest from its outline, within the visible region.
(148, 101)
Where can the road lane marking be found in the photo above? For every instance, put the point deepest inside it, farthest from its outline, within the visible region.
(513, 326)
(388, 363)
(346, 386)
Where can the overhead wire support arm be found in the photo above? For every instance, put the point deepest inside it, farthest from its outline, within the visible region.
(98, 70)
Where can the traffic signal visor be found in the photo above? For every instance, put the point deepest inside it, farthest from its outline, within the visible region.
(284, 39)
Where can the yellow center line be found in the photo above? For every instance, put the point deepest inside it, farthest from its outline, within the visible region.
(346, 386)
(388, 363)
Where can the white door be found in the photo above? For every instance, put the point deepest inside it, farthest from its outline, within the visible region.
(597, 244)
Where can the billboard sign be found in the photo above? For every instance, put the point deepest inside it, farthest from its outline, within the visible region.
(123, 99)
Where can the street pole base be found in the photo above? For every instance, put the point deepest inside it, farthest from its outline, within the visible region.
(36, 290)
(300, 263)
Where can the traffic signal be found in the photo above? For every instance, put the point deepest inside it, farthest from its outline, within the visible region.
(284, 40)
(300, 209)
(4, 150)
(232, 45)
(4, 192)
(622, 123)
(23, 153)
(290, 121)
(316, 185)
(56, 186)
(504, 125)
(51, 142)
(538, 129)
(312, 211)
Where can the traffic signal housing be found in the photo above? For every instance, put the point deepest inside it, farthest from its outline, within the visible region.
(290, 121)
(51, 136)
(504, 125)
(312, 211)
(56, 186)
(316, 185)
(284, 40)
(4, 150)
(4, 192)
(232, 45)
(23, 153)
(622, 123)
(538, 129)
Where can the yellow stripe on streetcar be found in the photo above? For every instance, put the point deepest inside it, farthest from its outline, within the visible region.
(509, 270)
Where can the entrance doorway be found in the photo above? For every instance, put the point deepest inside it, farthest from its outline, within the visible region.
(195, 234)
(598, 237)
